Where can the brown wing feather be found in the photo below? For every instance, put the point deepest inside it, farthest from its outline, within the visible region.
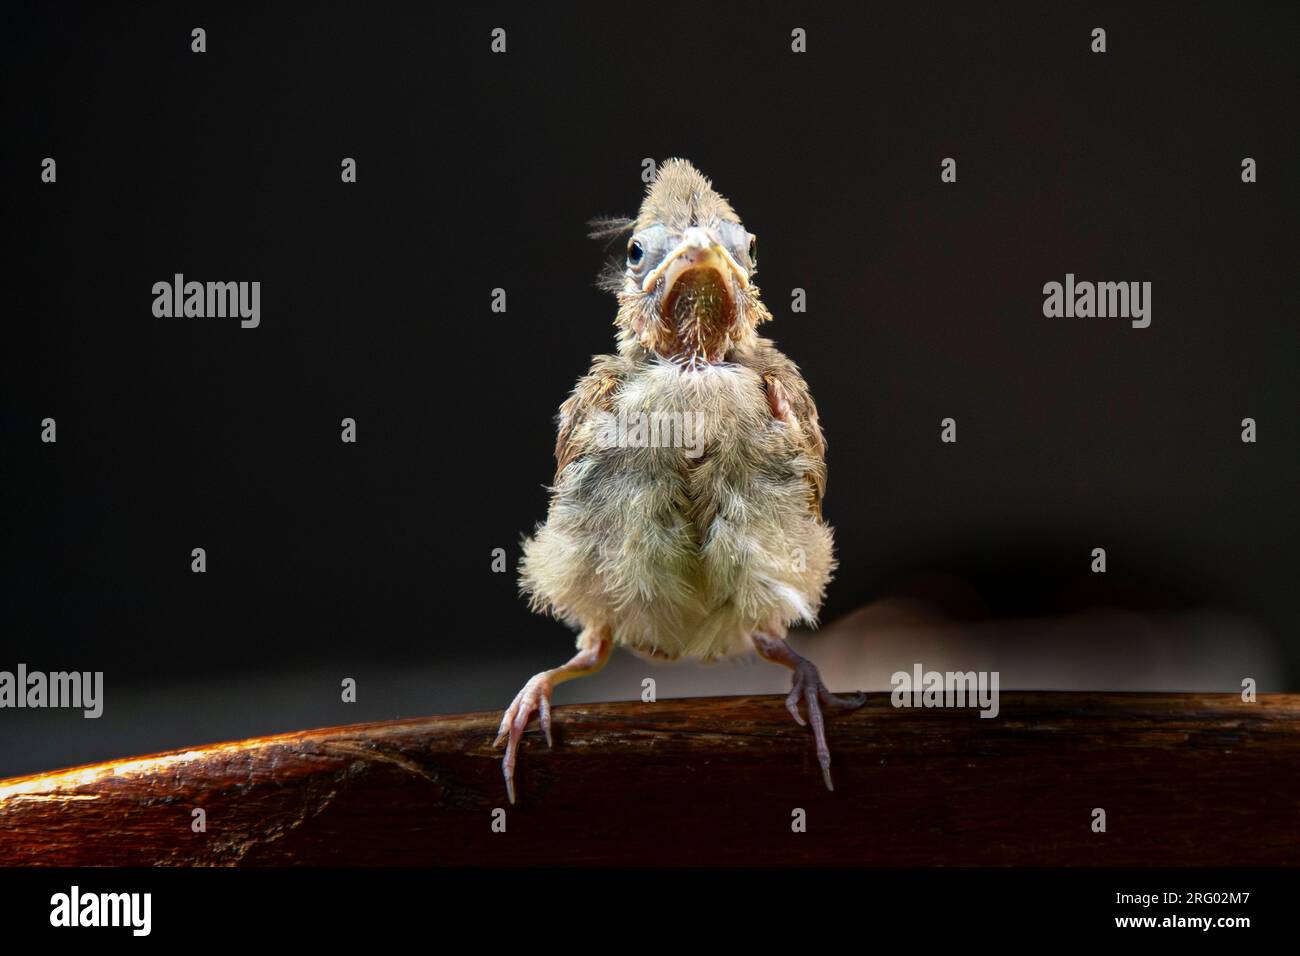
(790, 401)
(594, 392)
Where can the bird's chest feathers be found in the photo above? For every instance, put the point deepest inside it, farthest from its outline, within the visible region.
(686, 450)
(669, 420)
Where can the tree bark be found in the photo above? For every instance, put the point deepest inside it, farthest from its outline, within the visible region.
(1183, 779)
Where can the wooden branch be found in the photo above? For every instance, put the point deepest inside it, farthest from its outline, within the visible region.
(1184, 779)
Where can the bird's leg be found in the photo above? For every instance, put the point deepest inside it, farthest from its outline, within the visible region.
(808, 685)
(594, 650)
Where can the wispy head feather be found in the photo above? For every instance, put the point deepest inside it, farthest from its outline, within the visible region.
(610, 229)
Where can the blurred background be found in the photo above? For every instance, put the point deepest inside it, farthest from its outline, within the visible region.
(478, 171)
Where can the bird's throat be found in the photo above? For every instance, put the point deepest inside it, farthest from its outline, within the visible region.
(698, 314)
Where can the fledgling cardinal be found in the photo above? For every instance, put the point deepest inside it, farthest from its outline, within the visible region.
(685, 518)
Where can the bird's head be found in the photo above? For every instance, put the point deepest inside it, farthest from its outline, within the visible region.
(686, 288)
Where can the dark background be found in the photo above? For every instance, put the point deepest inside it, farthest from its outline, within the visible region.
(477, 171)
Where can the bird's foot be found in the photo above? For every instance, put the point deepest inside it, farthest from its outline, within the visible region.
(534, 697)
(808, 687)
(594, 648)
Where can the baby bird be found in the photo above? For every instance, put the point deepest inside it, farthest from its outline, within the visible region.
(685, 518)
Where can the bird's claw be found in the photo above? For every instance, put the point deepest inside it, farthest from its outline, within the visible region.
(808, 685)
(535, 696)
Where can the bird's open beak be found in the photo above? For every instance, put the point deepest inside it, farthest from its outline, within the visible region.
(699, 249)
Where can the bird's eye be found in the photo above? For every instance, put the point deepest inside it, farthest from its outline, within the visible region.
(753, 251)
(635, 253)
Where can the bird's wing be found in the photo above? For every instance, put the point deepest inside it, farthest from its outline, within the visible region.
(594, 392)
(791, 402)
